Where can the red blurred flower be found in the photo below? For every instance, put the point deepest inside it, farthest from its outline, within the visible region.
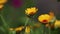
(17, 3)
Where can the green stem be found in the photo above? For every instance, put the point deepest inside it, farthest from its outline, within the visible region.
(4, 22)
(49, 30)
(12, 32)
(44, 29)
(26, 22)
(32, 31)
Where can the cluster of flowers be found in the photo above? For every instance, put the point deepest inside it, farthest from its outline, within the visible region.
(46, 19)
(49, 20)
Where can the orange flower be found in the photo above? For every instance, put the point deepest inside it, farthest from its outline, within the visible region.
(1, 6)
(51, 13)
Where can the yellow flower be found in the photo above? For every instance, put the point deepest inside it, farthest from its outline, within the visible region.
(31, 11)
(45, 18)
(57, 23)
(27, 30)
(3, 1)
(19, 28)
(1, 6)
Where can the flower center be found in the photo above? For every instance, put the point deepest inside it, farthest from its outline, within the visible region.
(32, 13)
(45, 21)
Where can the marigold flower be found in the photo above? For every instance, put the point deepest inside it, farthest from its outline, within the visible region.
(57, 23)
(45, 18)
(19, 28)
(1, 6)
(27, 30)
(31, 11)
(3, 1)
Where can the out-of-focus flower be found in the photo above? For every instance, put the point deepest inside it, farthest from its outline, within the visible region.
(45, 18)
(51, 13)
(19, 28)
(11, 29)
(3, 1)
(52, 16)
(1, 6)
(27, 30)
(17, 3)
(57, 24)
(31, 11)
(50, 25)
